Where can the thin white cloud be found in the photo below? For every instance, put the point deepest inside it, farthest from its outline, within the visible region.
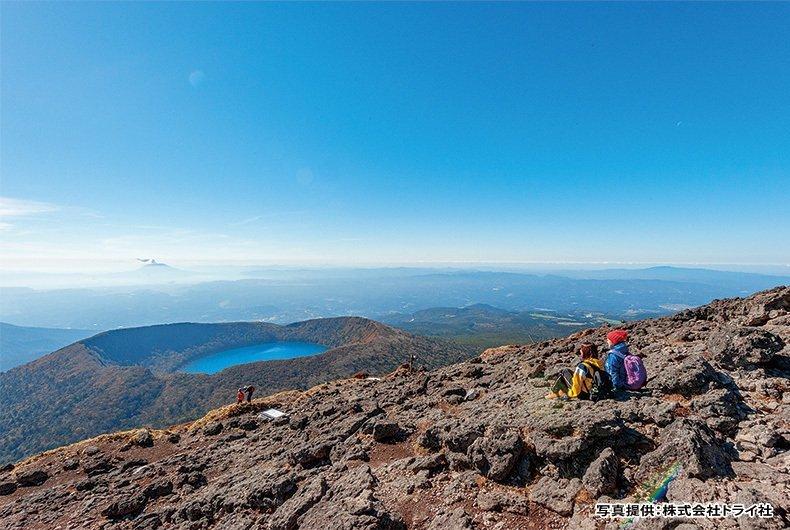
(267, 216)
(18, 215)
(247, 221)
(10, 208)
(15, 209)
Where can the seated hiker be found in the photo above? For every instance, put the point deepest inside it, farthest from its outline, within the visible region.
(625, 369)
(578, 383)
(240, 396)
(250, 389)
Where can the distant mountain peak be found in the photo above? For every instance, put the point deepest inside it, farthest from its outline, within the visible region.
(151, 262)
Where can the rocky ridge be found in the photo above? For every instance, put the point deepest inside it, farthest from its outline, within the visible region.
(472, 445)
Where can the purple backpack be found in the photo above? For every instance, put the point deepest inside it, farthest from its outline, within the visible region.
(635, 372)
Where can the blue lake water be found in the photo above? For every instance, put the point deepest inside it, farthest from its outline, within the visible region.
(267, 351)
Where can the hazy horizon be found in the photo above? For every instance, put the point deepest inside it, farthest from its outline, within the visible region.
(128, 274)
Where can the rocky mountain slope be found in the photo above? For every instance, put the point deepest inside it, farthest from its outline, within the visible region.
(472, 445)
(125, 378)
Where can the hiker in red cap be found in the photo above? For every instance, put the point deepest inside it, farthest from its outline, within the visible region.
(625, 369)
(616, 337)
(618, 349)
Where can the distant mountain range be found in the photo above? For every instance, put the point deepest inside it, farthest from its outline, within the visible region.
(126, 378)
(288, 296)
(742, 281)
(19, 345)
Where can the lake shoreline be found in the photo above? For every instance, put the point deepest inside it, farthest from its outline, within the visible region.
(266, 351)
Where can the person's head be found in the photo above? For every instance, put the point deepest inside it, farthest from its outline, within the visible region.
(241, 391)
(588, 350)
(616, 337)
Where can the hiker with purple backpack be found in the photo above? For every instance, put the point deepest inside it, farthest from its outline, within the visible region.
(625, 369)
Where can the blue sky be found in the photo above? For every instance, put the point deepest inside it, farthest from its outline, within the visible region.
(394, 133)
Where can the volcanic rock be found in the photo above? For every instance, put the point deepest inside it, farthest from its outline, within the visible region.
(31, 477)
(601, 476)
(556, 494)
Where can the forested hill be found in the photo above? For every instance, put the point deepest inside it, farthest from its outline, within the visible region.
(164, 348)
(127, 378)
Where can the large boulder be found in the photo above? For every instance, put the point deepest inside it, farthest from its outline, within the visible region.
(720, 408)
(386, 431)
(158, 488)
(456, 434)
(570, 439)
(125, 506)
(496, 454)
(692, 444)
(346, 500)
(739, 347)
(647, 409)
(685, 489)
(7, 488)
(267, 492)
(601, 477)
(764, 437)
(31, 477)
(687, 376)
(456, 519)
(311, 454)
(143, 438)
(502, 501)
(287, 516)
(99, 464)
(213, 428)
(751, 495)
(556, 494)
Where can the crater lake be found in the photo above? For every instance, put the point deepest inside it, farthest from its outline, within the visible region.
(267, 351)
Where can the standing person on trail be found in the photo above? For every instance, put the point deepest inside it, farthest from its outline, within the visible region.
(625, 369)
(240, 396)
(578, 383)
(250, 389)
